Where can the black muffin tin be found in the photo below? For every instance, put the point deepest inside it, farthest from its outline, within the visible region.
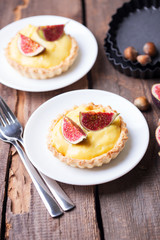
(134, 24)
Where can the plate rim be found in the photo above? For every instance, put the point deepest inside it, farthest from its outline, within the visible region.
(50, 88)
(97, 182)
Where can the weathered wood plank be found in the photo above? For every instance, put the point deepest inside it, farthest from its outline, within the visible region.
(8, 94)
(36, 223)
(129, 206)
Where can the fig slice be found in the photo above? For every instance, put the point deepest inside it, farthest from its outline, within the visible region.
(94, 121)
(28, 47)
(157, 135)
(71, 131)
(50, 33)
(155, 91)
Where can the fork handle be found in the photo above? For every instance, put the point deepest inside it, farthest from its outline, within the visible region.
(61, 197)
(63, 200)
(44, 193)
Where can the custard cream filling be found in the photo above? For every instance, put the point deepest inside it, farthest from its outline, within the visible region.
(96, 144)
(54, 54)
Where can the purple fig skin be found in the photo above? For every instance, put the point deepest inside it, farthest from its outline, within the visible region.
(154, 96)
(78, 129)
(33, 53)
(99, 128)
(51, 32)
(157, 135)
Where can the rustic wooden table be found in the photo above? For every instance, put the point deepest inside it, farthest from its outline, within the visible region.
(127, 208)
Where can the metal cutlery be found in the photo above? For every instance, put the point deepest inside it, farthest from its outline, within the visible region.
(49, 202)
(11, 131)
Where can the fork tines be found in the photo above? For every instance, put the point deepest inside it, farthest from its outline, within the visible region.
(5, 113)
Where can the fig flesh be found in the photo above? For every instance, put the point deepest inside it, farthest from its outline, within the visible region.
(28, 47)
(71, 131)
(50, 33)
(157, 134)
(155, 91)
(94, 121)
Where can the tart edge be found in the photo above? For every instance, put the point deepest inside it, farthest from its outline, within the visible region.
(99, 160)
(44, 73)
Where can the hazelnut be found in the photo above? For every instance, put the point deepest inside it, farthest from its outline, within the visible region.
(142, 103)
(130, 53)
(143, 59)
(149, 48)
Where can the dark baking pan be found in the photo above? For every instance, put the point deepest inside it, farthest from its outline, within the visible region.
(134, 24)
(126, 67)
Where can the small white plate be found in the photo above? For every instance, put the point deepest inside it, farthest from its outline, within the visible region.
(37, 127)
(88, 50)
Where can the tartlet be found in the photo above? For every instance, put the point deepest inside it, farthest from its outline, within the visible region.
(58, 56)
(99, 148)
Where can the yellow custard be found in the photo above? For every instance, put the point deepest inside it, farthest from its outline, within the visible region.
(96, 144)
(53, 55)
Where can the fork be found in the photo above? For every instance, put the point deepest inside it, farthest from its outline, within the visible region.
(11, 130)
(49, 202)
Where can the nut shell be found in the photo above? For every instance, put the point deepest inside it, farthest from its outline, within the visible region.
(130, 53)
(149, 48)
(143, 59)
(142, 103)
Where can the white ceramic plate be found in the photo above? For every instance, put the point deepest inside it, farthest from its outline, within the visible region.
(87, 55)
(37, 128)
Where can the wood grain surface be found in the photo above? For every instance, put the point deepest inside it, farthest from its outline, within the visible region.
(124, 209)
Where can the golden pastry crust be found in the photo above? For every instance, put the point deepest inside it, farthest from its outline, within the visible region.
(96, 161)
(44, 73)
